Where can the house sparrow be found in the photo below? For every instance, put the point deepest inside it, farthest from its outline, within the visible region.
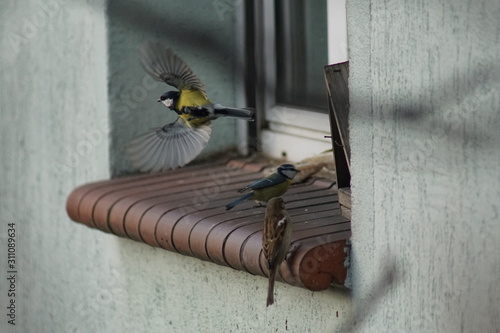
(275, 240)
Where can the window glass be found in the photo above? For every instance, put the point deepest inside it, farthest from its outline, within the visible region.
(302, 52)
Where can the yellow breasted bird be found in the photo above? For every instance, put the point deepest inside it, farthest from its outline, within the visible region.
(264, 189)
(179, 142)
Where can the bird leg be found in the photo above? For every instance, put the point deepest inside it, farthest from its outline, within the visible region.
(259, 205)
(291, 254)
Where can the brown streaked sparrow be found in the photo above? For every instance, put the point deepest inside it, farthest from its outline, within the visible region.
(275, 240)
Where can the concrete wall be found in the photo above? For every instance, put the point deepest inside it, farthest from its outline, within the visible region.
(54, 125)
(425, 103)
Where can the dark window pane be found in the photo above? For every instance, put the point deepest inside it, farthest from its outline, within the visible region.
(302, 52)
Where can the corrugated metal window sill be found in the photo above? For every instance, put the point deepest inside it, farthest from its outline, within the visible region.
(183, 211)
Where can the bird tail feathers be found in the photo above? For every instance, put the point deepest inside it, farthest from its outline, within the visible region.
(238, 201)
(242, 113)
(270, 288)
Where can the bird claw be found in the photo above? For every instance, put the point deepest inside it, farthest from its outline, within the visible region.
(259, 205)
(291, 254)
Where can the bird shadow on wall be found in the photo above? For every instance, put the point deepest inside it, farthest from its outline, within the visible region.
(447, 108)
(389, 278)
(154, 20)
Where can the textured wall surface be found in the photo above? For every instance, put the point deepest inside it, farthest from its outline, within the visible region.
(54, 127)
(425, 103)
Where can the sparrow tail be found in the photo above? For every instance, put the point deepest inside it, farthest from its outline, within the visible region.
(270, 288)
(238, 201)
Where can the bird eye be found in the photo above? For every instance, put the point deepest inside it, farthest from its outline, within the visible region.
(163, 98)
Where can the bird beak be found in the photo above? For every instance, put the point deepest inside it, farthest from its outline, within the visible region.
(159, 100)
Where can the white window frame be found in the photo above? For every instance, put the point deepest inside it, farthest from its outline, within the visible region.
(292, 132)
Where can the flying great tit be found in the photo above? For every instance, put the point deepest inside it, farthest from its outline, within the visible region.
(179, 142)
(262, 190)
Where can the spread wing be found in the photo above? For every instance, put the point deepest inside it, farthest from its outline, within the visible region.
(164, 65)
(169, 147)
(273, 179)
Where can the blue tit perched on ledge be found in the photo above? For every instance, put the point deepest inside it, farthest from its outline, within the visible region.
(276, 238)
(179, 142)
(272, 186)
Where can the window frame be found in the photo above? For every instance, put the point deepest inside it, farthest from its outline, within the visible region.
(284, 129)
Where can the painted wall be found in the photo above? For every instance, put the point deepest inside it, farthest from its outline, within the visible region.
(55, 130)
(425, 103)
